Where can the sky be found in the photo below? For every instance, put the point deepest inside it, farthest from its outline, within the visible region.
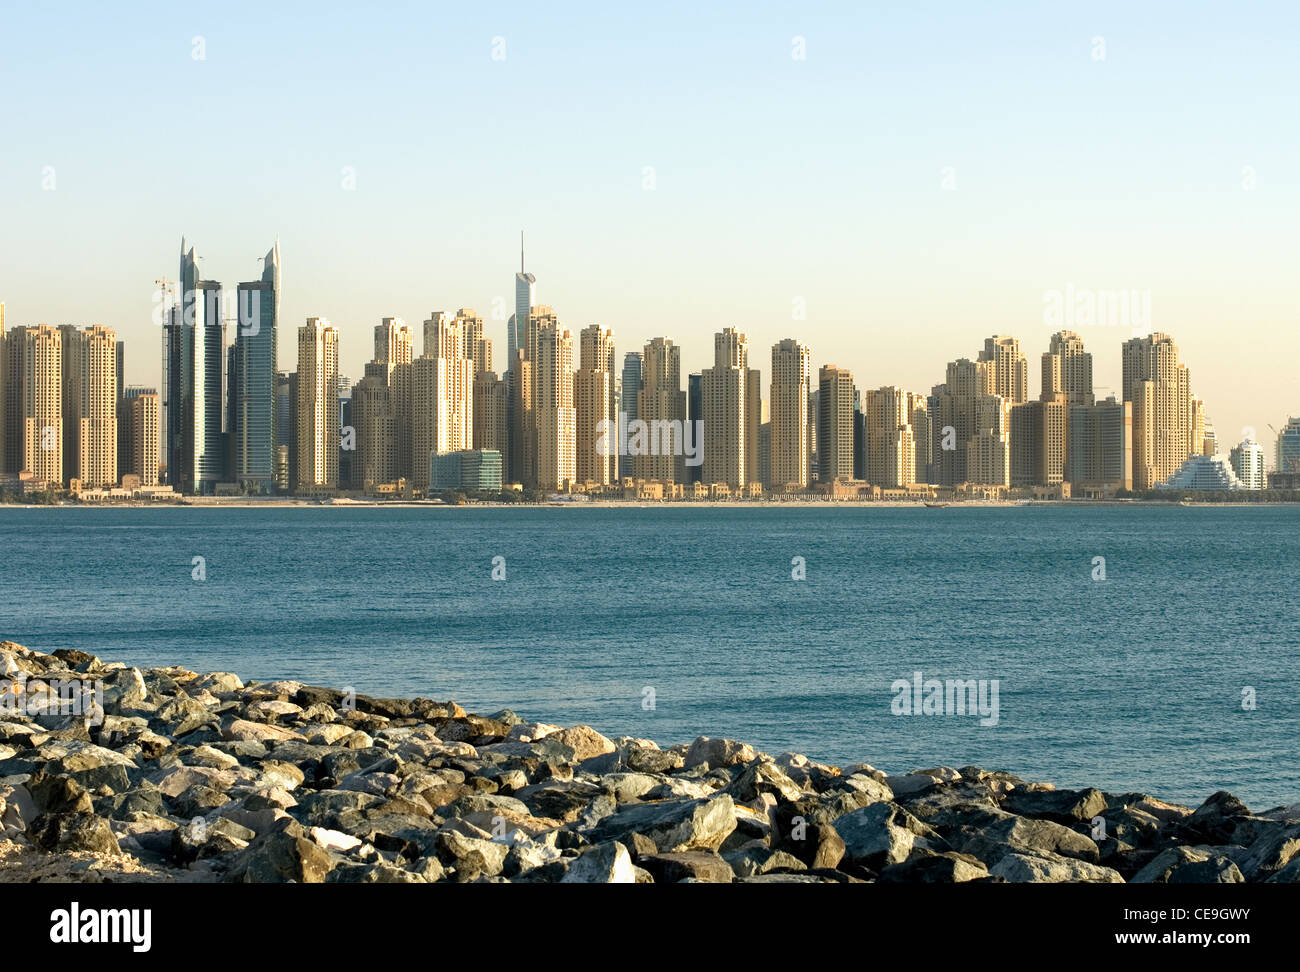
(888, 183)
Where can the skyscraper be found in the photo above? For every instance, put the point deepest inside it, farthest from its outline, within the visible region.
(318, 408)
(555, 420)
(90, 406)
(442, 396)
(193, 356)
(1160, 390)
(525, 298)
(788, 400)
(834, 424)
(1008, 372)
(255, 362)
(393, 364)
(596, 408)
(141, 420)
(34, 359)
(897, 435)
(1100, 443)
(375, 459)
(1067, 370)
(661, 405)
(1038, 441)
(631, 385)
(725, 388)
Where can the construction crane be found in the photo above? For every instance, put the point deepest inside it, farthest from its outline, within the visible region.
(1292, 463)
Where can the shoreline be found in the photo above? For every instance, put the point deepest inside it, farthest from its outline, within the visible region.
(210, 503)
(167, 775)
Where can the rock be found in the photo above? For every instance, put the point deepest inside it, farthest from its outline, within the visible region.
(470, 855)
(1189, 865)
(605, 863)
(284, 854)
(946, 868)
(1271, 853)
(1024, 868)
(717, 752)
(821, 846)
(763, 776)
(703, 866)
(1063, 806)
(1010, 834)
(586, 742)
(756, 858)
(74, 831)
(1217, 819)
(879, 834)
(672, 825)
(242, 729)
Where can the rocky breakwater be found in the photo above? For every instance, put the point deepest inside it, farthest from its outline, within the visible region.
(172, 775)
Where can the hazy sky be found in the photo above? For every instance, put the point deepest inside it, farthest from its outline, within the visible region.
(920, 179)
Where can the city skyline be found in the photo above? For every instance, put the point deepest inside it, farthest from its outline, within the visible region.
(712, 177)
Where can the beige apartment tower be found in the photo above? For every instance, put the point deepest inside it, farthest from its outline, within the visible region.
(491, 400)
(555, 418)
(442, 396)
(90, 406)
(144, 436)
(788, 399)
(835, 410)
(1160, 389)
(594, 403)
(661, 405)
(731, 417)
(898, 436)
(375, 420)
(1067, 370)
(318, 406)
(34, 401)
(1007, 370)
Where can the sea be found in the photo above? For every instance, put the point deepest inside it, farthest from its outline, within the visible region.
(1132, 648)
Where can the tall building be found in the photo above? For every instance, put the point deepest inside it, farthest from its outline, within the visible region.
(193, 364)
(1100, 444)
(478, 347)
(631, 385)
(525, 298)
(1287, 456)
(953, 419)
(725, 389)
(555, 419)
(34, 374)
(988, 454)
(661, 406)
(286, 422)
(835, 397)
(4, 398)
(1067, 370)
(123, 461)
(519, 370)
(596, 408)
(1160, 390)
(393, 365)
(374, 420)
(90, 406)
(442, 394)
(1038, 442)
(318, 411)
(695, 416)
(1248, 463)
(788, 402)
(254, 404)
(1007, 370)
(897, 436)
(140, 416)
(491, 408)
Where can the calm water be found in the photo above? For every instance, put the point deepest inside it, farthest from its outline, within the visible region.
(1131, 683)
